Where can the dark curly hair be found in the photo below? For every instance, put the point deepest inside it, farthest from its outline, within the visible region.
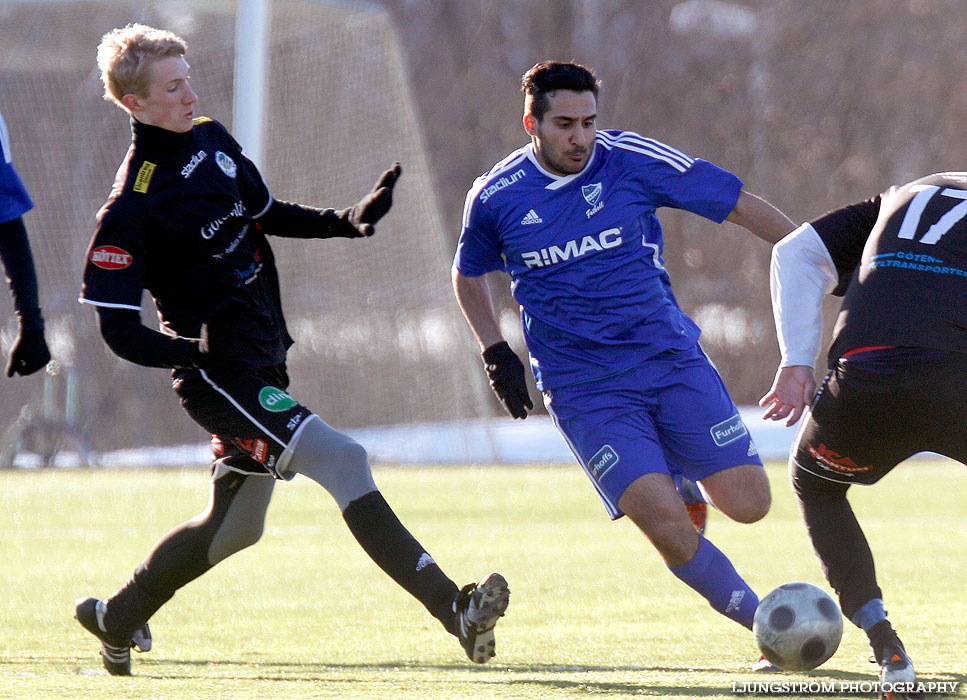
(548, 76)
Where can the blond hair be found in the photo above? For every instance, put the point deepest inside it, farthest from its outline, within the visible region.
(125, 55)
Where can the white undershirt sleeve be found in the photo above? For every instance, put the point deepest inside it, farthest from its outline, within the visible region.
(800, 274)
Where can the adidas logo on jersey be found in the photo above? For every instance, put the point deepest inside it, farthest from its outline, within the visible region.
(531, 218)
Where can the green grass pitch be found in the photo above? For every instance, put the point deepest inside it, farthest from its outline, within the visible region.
(304, 614)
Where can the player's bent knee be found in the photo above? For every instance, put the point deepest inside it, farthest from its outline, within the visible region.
(808, 487)
(245, 534)
(755, 505)
(754, 510)
(352, 455)
(742, 493)
(334, 461)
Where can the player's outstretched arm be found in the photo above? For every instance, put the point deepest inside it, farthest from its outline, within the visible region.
(291, 220)
(760, 218)
(374, 205)
(504, 368)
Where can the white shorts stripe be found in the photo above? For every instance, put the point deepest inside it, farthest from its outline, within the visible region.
(241, 410)
(106, 305)
(611, 508)
(5, 142)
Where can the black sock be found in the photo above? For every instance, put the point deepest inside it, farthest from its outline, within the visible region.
(389, 544)
(178, 558)
(884, 640)
(130, 608)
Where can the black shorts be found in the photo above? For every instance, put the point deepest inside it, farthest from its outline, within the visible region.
(868, 417)
(254, 424)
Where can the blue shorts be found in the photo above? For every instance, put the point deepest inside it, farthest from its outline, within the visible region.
(670, 414)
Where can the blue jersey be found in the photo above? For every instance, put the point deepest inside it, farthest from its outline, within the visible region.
(14, 200)
(584, 251)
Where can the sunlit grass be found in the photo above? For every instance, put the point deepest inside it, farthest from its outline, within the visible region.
(304, 614)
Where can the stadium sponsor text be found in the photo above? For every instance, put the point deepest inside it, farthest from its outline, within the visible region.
(500, 184)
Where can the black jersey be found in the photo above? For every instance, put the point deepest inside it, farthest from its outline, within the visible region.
(902, 259)
(180, 223)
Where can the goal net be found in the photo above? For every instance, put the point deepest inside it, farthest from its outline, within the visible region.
(379, 338)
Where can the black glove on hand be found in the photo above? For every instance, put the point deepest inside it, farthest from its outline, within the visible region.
(218, 333)
(29, 353)
(507, 379)
(374, 205)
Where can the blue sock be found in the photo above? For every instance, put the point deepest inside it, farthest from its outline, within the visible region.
(871, 613)
(712, 575)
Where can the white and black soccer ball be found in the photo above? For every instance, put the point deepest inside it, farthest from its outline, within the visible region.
(798, 626)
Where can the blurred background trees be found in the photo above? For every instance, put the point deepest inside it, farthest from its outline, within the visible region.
(813, 104)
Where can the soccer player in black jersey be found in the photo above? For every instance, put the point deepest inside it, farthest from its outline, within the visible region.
(187, 220)
(29, 350)
(899, 352)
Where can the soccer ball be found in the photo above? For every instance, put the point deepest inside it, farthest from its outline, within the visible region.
(798, 626)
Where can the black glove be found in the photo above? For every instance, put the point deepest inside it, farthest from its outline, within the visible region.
(29, 353)
(374, 205)
(218, 333)
(507, 379)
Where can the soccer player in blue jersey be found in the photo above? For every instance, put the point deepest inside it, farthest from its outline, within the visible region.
(571, 218)
(29, 352)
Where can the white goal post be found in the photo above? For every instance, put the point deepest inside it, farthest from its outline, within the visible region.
(318, 95)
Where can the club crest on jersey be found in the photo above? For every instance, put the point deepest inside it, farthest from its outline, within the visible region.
(226, 164)
(592, 195)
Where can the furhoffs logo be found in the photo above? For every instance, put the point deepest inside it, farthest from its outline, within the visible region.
(728, 430)
(602, 462)
(110, 257)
